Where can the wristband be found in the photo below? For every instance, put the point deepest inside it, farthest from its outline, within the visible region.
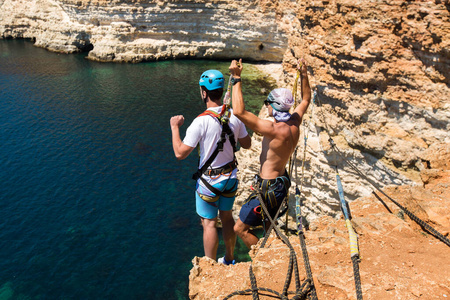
(235, 80)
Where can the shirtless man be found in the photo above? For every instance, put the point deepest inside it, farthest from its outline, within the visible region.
(279, 142)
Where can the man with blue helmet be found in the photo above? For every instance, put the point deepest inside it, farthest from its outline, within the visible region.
(215, 131)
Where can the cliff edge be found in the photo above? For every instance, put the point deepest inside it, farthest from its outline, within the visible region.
(399, 260)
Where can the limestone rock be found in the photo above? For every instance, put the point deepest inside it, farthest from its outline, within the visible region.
(134, 31)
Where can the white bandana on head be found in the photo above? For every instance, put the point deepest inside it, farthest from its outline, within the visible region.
(281, 101)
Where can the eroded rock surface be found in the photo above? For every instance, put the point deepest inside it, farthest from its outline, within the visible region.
(380, 72)
(134, 31)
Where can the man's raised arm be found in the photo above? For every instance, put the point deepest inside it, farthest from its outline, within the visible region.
(237, 97)
(180, 150)
(306, 90)
(250, 120)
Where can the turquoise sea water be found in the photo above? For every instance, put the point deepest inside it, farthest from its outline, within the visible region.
(93, 204)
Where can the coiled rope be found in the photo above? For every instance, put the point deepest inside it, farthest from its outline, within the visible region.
(301, 290)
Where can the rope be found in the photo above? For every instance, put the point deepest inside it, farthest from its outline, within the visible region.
(286, 242)
(353, 238)
(303, 243)
(294, 88)
(300, 296)
(355, 262)
(253, 283)
(227, 98)
(267, 234)
(298, 201)
(346, 211)
(301, 291)
(413, 217)
(294, 155)
(298, 213)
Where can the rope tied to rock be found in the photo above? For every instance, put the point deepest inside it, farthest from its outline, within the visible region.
(413, 217)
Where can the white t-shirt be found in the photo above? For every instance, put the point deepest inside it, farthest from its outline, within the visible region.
(206, 130)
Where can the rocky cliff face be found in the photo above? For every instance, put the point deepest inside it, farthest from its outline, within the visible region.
(381, 73)
(380, 70)
(134, 31)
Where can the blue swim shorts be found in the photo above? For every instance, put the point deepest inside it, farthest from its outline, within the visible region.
(209, 210)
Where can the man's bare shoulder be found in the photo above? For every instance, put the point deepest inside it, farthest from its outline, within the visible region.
(282, 130)
(295, 120)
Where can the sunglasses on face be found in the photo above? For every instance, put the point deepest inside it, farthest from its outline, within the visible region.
(267, 102)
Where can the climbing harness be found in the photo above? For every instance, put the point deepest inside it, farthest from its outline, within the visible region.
(268, 188)
(223, 119)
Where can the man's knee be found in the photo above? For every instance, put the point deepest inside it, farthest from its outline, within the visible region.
(226, 216)
(209, 223)
(240, 228)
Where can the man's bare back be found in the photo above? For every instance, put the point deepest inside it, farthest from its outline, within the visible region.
(280, 137)
(276, 151)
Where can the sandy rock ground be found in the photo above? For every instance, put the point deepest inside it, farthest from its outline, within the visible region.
(399, 260)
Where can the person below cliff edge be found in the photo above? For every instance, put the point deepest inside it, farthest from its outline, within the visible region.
(279, 141)
(215, 131)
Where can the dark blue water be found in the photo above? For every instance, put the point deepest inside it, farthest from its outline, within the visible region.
(93, 204)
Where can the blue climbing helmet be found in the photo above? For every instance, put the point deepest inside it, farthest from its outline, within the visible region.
(212, 80)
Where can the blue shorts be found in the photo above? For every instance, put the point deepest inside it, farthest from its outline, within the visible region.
(209, 210)
(250, 213)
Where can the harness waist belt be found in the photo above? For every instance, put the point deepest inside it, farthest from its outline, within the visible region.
(269, 182)
(222, 170)
(268, 187)
(261, 181)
